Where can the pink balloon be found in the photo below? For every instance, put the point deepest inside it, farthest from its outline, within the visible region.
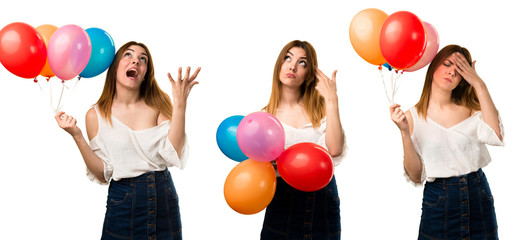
(260, 136)
(433, 42)
(69, 50)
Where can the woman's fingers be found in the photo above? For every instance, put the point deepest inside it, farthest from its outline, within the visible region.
(195, 74)
(393, 107)
(58, 116)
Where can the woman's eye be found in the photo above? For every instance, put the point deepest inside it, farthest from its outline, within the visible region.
(303, 63)
(127, 54)
(143, 59)
(287, 58)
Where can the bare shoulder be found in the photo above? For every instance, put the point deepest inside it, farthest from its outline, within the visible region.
(409, 118)
(161, 118)
(91, 123)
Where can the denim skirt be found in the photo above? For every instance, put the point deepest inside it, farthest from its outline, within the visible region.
(458, 208)
(143, 207)
(295, 214)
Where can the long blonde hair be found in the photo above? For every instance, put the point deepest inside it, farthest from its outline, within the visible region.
(149, 89)
(313, 102)
(463, 95)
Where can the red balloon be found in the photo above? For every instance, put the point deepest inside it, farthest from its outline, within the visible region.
(402, 39)
(306, 166)
(22, 50)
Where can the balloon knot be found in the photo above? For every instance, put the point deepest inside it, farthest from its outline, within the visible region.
(35, 80)
(78, 78)
(62, 81)
(48, 79)
(396, 71)
(380, 68)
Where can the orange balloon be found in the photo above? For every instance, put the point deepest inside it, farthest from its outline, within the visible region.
(250, 186)
(364, 32)
(46, 31)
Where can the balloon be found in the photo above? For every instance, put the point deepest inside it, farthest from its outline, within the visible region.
(433, 42)
(364, 34)
(388, 66)
(226, 138)
(250, 186)
(261, 136)
(69, 50)
(306, 166)
(22, 50)
(102, 52)
(46, 32)
(402, 39)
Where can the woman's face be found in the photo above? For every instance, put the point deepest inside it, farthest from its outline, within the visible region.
(294, 68)
(132, 67)
(446, 76)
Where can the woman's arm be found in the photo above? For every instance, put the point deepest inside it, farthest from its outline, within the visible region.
(412, 164)
(69, 124)
(334, 136)
(180, 90)
(469, 74)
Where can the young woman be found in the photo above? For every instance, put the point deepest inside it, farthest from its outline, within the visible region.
(444, 137)
(135, 135)
(305, 101)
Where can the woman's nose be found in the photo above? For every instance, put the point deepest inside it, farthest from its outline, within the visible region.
(292, 66)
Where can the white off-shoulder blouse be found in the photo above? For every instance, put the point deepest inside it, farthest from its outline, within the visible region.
(129, 153)
(454, 151)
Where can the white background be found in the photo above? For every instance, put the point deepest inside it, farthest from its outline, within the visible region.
(46, 195)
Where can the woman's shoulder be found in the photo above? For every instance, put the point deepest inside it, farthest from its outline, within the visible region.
(91, 123)
(92, 112)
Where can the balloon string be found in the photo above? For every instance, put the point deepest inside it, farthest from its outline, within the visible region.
(39, 85)
(72, 91)
(392, 86)
(384, 85)
(50, 95)
(397, 83)
(60, 97)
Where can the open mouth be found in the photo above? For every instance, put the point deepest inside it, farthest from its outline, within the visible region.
(132, 73)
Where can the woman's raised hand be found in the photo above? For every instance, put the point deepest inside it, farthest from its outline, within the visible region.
(399, 118)
(68, 123)
(182, 86)
(467, 71)
(326, 86)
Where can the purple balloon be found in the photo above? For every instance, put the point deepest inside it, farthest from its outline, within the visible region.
(69, 50)
(260, 136)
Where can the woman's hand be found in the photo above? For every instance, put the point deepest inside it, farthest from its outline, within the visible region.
(68, 123)
(399, 118)
(182, 86)
(467, 71)
(325, 86)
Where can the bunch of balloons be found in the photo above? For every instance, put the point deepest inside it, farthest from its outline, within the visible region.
(250, 186)
(254, 141)
(47, 50)
(400, 40)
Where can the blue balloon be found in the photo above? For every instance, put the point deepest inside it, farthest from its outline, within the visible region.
(388, 66)
(226, 138)
(102, 52)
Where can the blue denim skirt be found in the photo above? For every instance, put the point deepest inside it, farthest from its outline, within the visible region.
(295, 214)
(143, 207)
(458, 208)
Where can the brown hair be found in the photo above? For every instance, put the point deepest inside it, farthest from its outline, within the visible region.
(463, 94)
(313, 102)
(149, 90)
